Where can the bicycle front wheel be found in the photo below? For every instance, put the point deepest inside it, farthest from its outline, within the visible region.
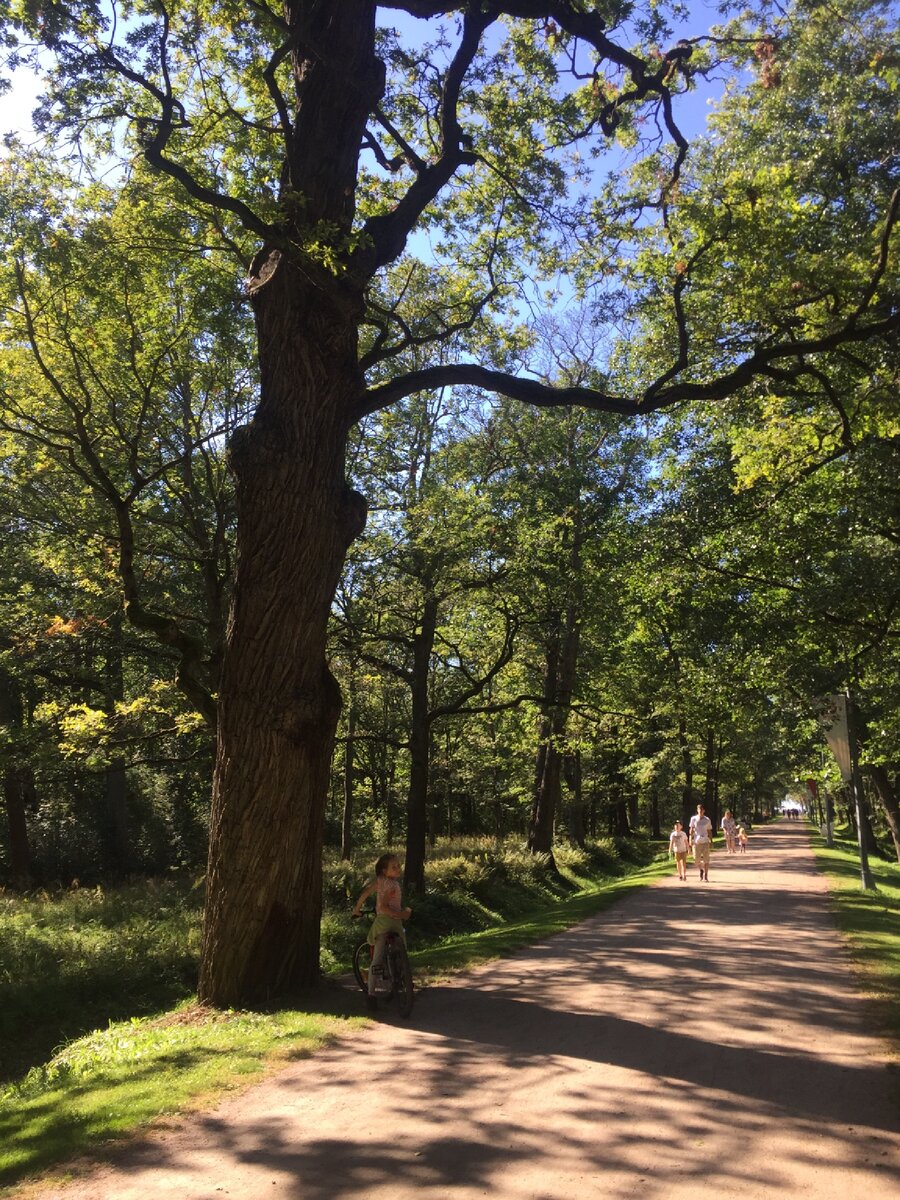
(401, 975)
(362, 959)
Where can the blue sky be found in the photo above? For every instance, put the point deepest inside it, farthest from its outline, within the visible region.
(16, 106)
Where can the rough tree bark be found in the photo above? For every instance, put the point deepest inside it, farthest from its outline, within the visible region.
(279, 703)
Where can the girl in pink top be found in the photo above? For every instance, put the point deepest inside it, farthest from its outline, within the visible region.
(389, 915)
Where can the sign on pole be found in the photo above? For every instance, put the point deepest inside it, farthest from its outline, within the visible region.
(836, 725)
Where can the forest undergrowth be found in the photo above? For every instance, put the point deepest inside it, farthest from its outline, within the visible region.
(73, 960)
(99, 1031)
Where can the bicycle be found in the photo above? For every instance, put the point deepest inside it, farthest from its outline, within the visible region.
(397, 972)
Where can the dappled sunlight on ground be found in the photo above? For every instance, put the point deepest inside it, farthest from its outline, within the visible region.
(694, 1039)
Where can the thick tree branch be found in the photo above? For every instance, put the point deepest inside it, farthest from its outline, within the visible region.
(762, 363)
(387, 233)
(172, 113)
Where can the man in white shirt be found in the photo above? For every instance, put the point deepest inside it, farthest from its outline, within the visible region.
(701, 832)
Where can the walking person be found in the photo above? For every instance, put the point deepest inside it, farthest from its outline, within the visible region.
(701, 832)
(729, 828)
(678, 845)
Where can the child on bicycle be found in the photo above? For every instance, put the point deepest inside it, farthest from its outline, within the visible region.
(388, 914)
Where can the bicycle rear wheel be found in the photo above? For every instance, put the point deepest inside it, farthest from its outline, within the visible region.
(401, 976)
(362, 957)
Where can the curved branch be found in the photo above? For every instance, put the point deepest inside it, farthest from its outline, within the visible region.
(154, 146)
(763, 362)
(386, 233)
(883, 249)
(530, 391)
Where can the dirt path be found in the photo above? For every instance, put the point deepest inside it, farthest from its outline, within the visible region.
(695, 1040)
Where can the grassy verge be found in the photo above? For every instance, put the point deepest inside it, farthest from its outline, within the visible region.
(73, 960)
(455, 953)
(869, 921)
(112, 1082)
(486, 903)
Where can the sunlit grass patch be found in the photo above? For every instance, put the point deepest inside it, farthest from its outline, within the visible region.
(113, 1081)
(456, 952)
(869, 920)
(74, 959)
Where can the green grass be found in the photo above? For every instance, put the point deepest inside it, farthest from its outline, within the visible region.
(870, 922)
(93, 956)
(454, 953)
(73, 960)
(111, 1082)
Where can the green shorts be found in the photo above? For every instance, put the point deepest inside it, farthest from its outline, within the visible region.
(384, 925)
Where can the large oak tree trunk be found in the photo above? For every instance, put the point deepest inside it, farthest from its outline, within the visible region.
(279, 703)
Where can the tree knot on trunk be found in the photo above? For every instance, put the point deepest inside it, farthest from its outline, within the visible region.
(355, 513)
(262, 270)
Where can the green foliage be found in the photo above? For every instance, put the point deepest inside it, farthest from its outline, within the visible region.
(70, 961)
(111, 1082)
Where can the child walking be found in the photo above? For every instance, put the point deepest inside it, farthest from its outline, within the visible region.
(389, 915)
(742, 839)
(678, 845)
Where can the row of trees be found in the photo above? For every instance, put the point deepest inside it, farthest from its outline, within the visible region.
(549, 610)
(554, 624)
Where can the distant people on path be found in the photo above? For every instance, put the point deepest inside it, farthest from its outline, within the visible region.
(678, 845)
(742, 839)
(701, 839)
(729, 828)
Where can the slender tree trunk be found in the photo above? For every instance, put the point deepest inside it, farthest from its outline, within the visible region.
(18, 784)
(633, 817)
(619, 810)
(887, 798)
(390, 779)
(349, 784)
(15, 795)
(547, 801)
(687, 794)
(871, 842)
(119, 858)
(559, 686)
(710, 784)
(419, 748)
(573, 777)
(653, 809)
